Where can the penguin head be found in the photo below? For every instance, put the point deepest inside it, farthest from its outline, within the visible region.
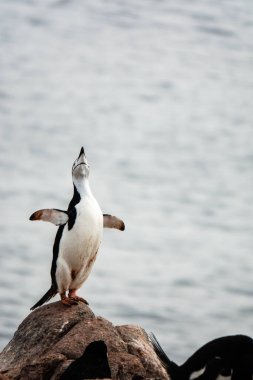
(80, 168)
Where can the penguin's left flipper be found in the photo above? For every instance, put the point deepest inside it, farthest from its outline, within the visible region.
(111, 221)
(57, 217)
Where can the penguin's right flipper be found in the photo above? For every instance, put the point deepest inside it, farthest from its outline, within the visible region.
(57, 217)
(111, 221)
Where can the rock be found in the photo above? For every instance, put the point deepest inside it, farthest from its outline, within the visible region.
(54, 336)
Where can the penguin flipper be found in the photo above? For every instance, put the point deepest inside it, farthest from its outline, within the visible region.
(57, 217)
(171, 368)
(111, 221)
(158, 349)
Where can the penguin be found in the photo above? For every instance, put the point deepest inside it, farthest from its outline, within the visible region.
(93, 364)
(78, 237)
(228, 358)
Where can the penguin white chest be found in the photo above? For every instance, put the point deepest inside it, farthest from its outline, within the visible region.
(79, 244)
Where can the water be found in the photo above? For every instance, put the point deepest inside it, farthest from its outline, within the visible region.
(160, 94)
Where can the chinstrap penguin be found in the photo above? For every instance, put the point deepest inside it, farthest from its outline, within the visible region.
(78, 237)
(225, 358)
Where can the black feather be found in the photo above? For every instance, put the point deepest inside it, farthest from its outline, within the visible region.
(49, 294)
(93, 364)
(171, 368)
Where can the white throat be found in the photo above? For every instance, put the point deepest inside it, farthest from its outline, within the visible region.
(83, 187)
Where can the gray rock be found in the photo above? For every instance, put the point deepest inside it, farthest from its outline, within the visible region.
(54, 335)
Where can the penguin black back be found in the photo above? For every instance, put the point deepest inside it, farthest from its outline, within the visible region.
(229, 356)
(229, 348)
(93, 364)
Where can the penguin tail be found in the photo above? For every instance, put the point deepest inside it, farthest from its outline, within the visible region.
(171, 368)
(49, 294)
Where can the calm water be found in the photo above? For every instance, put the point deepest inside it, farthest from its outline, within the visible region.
(160, 95)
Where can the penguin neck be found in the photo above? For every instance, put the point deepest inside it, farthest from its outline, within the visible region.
(82, 187)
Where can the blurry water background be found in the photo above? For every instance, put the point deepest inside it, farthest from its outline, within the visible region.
(160, 93)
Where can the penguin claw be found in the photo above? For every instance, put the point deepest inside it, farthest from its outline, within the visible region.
(78, 299)
(69, 302)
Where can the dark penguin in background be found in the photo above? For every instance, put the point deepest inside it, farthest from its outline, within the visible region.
(93, 364)
(78, 237)
(226, 358)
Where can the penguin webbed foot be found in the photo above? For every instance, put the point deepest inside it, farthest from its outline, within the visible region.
(68, 301)
(78, 299)
(73, 296)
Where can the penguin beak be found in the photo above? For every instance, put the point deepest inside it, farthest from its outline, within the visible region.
(81, 160)
(81, 153)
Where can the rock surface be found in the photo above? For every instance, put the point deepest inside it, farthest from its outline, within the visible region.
(53, 336)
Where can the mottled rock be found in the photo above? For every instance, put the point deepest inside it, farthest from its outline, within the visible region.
(54, 336)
